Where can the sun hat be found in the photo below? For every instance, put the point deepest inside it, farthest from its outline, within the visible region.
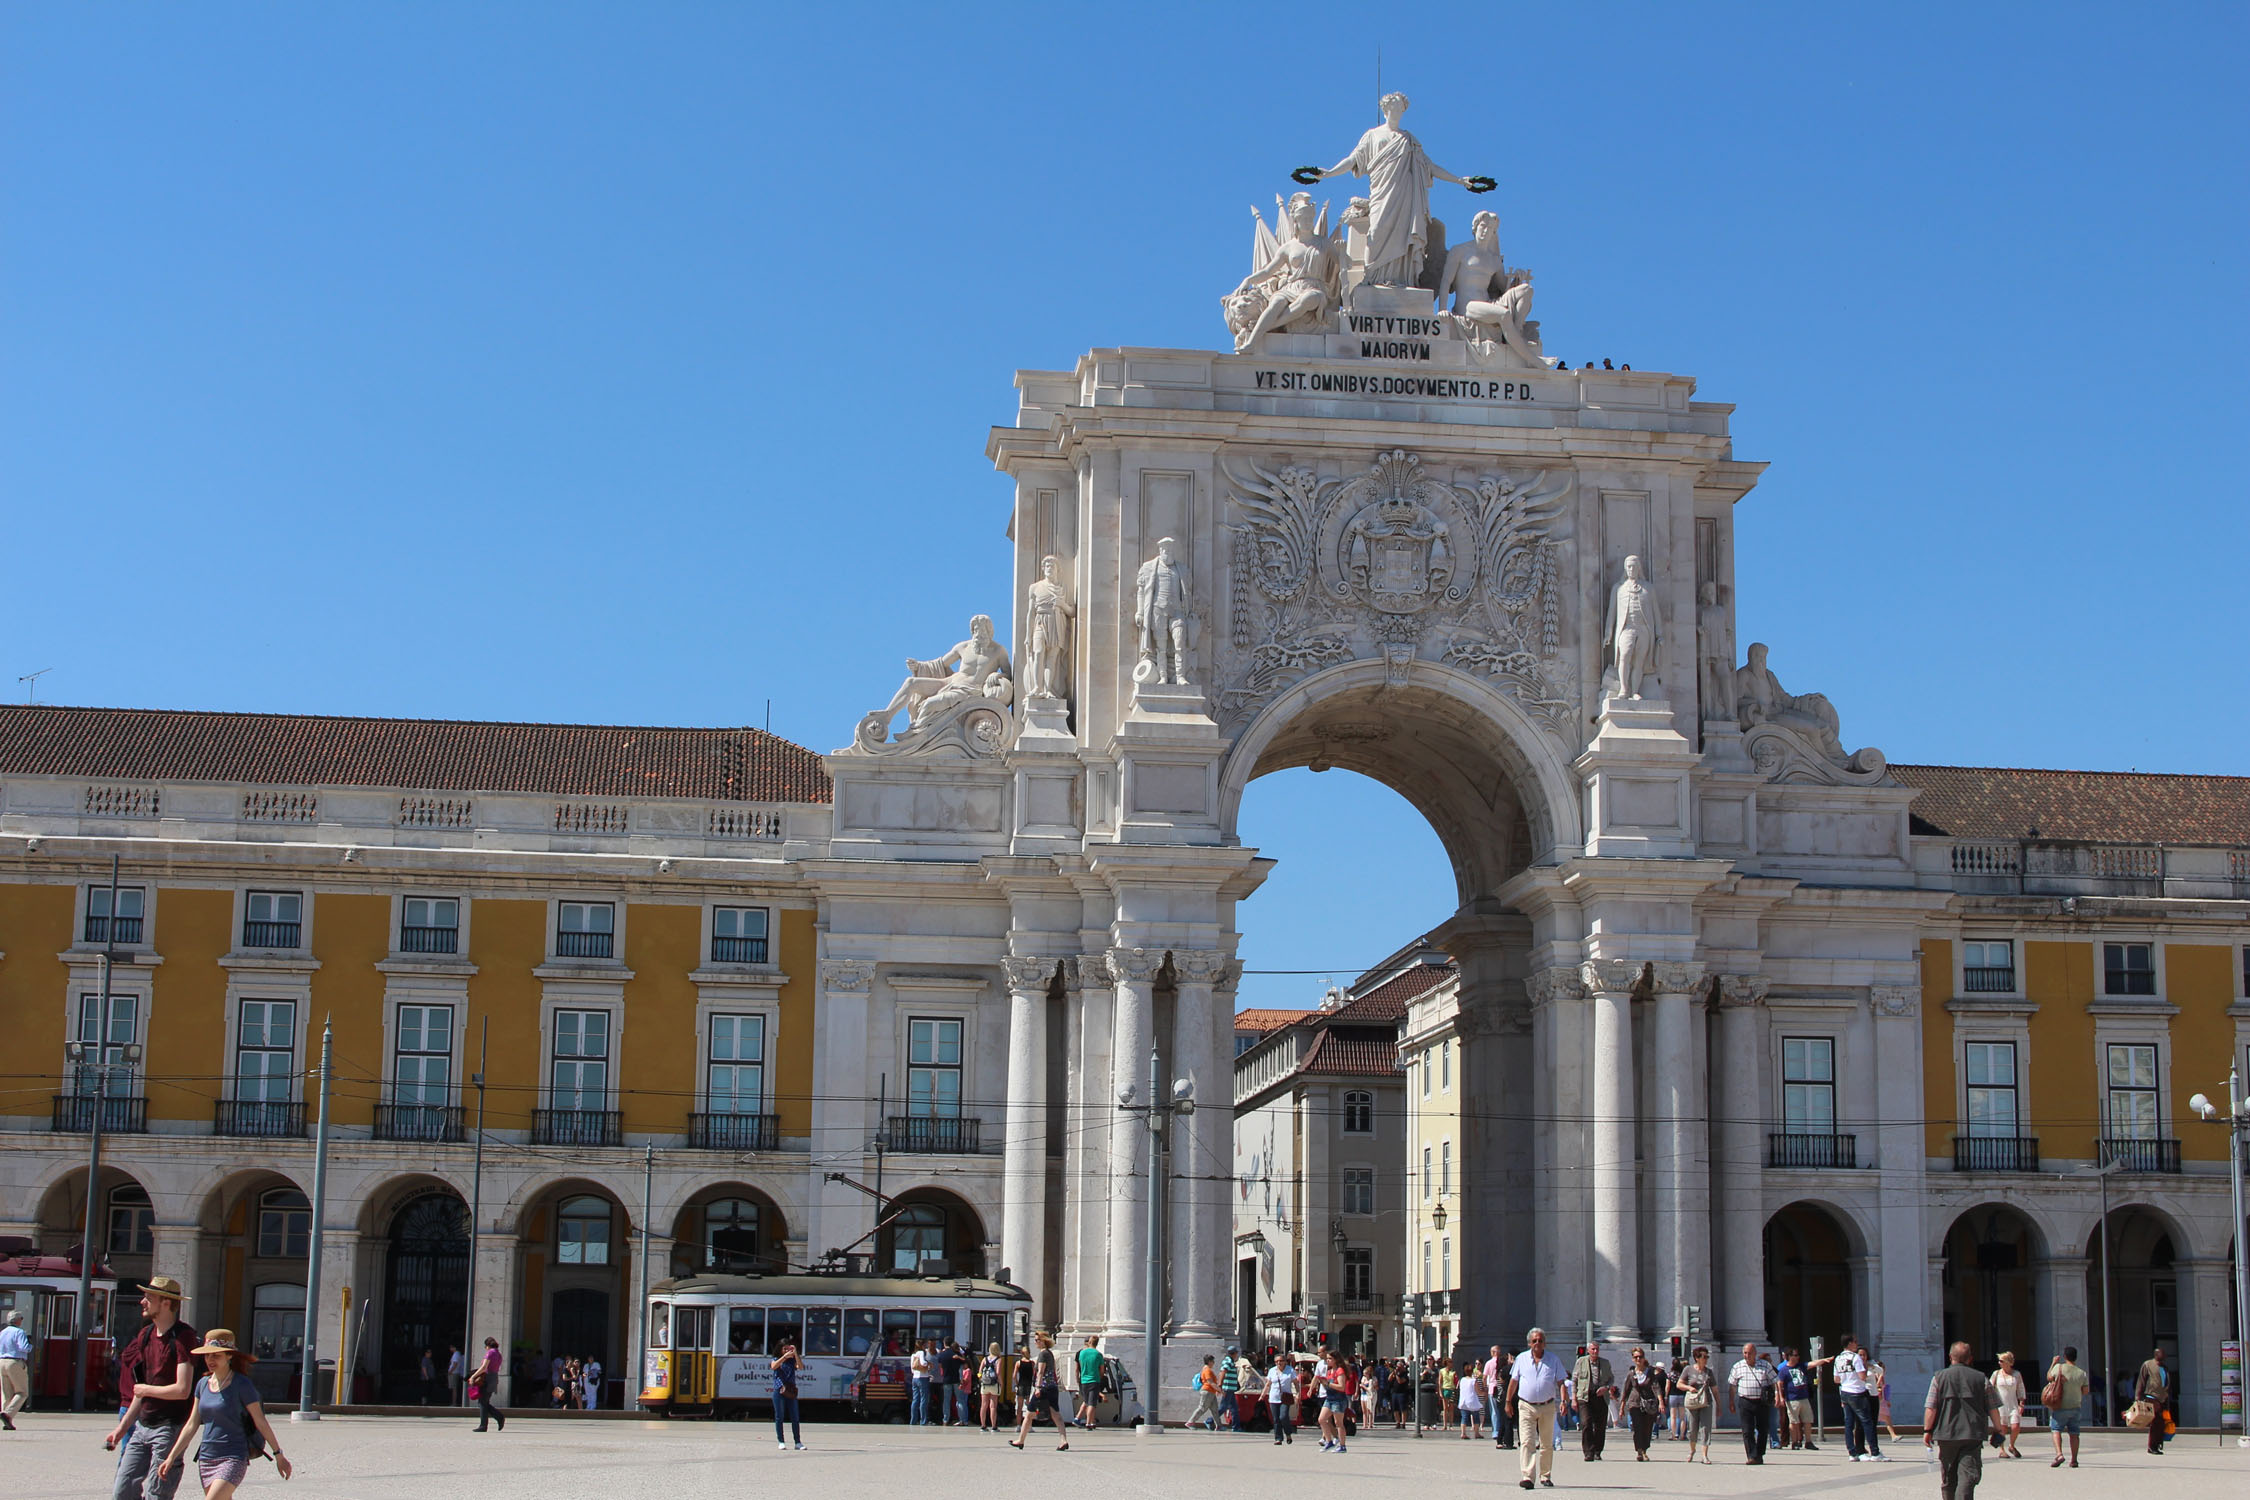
(165, 1286)
(221, 1341)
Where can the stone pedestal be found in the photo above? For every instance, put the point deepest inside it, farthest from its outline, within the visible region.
(1637, 776)
(1168, 752)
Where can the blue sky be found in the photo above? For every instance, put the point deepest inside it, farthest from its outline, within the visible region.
(633, 363)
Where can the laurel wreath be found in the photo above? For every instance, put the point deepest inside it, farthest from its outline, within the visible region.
(1482, 184)
(1305, 175)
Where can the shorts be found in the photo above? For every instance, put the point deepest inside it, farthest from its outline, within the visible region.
(222, 1470)
(1800, 1409)
(2064, 1421)
(1332, 1403)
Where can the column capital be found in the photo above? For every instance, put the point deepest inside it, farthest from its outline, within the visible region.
(1677, 978)
(1610, 976)
(1898, 1001)
(1029, 974)
(1743, 991)
(1550, 985)
(1201, 965)
(1491, 1018)
(1130, 965)
(848, 975)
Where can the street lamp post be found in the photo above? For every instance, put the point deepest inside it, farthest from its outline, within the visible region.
(89, 1057)
(1161, 1112)
(2109, 1384)
(2237, 1121)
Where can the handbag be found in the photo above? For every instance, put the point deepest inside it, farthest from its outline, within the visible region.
(2051, 1394)
(1698, 1398)
(2140, 1415)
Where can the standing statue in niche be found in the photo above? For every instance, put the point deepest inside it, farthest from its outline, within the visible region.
(1160, 614)
(1491, 301)
(975, 672)
(1399, 173)
(1715, 655)
(1633, 629)
(1047, 665)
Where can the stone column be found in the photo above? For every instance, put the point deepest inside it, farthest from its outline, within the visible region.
(2059, 1305)
(495, 1254)
(181, 1252)
(1909, 1314)
(1091, 1110)
(2206, 1302)
(629, 1360)
(1616, 1222)
(1023, 1190)
(1683, 1189)
(1200, 1238)
(1738, 1160)
(1559, 1189)
(840, 1103)
(1132, 1036)
(1494, 1253)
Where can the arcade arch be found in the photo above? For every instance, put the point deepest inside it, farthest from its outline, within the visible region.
(574, 1251)
(929, 1224)
(257, 1228)
(729, 1226)
(1814, 1254)
(1989, 1284)
(2145, 1247)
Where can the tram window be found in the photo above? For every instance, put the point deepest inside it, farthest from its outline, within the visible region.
(660, 1325)
(992, 1328)
(62, 1315)
(898, 1332)
(859, 1330)
(938, 1325)
(746, 1330)
(784, 1325)
(823, 1327)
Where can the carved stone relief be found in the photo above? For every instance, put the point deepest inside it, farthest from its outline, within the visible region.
(1610, 976)
(1742, 991)
(1550, 985)
(1895, 1000)
(847, 975)
(1133, 965)
(1032, 974)
(1199, 965)
(1673, 978)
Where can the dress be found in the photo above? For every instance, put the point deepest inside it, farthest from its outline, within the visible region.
(1398, 176)
(2008, 1386)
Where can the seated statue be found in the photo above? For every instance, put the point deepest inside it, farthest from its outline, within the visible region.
(1491, 302)
(976, 671)
(1760, 699)
(1298, 282)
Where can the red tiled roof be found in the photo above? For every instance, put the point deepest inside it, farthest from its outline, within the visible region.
(1358, 1055)
(1388, 1001)
(565, 760)
(1267, 1020)
(2115, 807)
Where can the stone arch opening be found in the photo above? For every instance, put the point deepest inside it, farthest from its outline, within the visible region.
(1813, 1255)
(574, 1250)
(2145, 1248)
(1989, 1286)
(124, 1237)
(425, 1291)
(931, 1232)
(730, 1226)
(258, 1235)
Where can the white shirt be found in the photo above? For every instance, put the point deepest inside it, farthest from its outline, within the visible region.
(1538, 1380)
(1851, 1373)
(920, 1364)
(14, 1343)
(1751, 1382)
(1281, 1381)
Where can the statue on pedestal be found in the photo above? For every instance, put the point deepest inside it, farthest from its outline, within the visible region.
(1297, 277)
(1796, 736)
(1399, 173)
(1714, 655)
(1633, 629)
(1047, 660)
(1491, 301)
(969, 686)
(1160, 614)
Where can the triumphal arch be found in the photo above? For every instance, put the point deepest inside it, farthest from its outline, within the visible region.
(1381, 527)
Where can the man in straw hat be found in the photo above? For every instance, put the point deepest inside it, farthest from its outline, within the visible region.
(155, 1379)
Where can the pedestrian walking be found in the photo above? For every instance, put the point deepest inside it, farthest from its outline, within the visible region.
(1332, 1384)
(484, 1384)
(1642, 1398)
(1879, 1385)
(1281, 1400)
(1750, 1388)
(2007, 1389)
(786, 1366)
(15, 1369)
(1956, 1419)
(1449, 1393)
(1675, 1400)
(1206, 1413)
(988, 1390)
(1090, 1384)
(1852, 1384)
(2154, 1386)
(1593, 1382)
(456, 1368)
(1039, 1390)
(1469, 1392)
(1699, 1399)
(1496, 1365)
(156, 1381)
(225, 1411)
(592, 1383)
(1536, 1388)
(2064, 1396)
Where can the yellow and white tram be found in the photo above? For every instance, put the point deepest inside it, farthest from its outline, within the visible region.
(712, 1337)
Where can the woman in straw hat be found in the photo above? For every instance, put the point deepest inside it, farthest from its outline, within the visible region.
(226, 1410)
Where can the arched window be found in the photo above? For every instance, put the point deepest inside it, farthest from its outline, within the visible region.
(730, 1234)
(284, 1223)
(277, 1321)
(1359, 1112)
(582, 1232)
(132, 1222)
(918, 1234)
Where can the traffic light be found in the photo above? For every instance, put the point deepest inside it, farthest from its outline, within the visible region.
(1679, 1341)
(1694, 1323)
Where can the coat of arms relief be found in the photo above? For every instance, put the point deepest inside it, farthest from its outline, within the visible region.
(1398, 563)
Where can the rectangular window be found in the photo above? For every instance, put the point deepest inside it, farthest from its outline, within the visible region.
(2132, 1091)
(1445, 1263)
(1425, 1265)
(422, 1070)
(1359, 1190)
(272, 919)
(1426, 1180)
(746, 1330)
(1991, 1067)
(429, 924)
(132, 1222)
(2128, 969)
(824, 1330)
(738, 935)
(860, 1333)
(585, 929)
(933, 1068)
(1425, 1067)
(1808, 1085)
(265, 1051)
(128, 914)
(1445, 1064)
(1359, 1112)
(735, 1076)
(1445, 1168)
(1988, 967)
(1359, 1275)
(122, 1028)
(581, 1065)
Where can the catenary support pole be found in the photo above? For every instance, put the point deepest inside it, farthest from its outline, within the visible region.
(2238, 1127)
(99, 1070)
(648, 1207)
(308, 1376)
(1153, 1399)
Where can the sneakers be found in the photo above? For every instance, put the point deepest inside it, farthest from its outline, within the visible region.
(800, 1447)
(1878, 1458)
(784, 1447)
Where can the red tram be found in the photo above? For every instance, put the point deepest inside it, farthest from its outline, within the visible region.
(44, 1288)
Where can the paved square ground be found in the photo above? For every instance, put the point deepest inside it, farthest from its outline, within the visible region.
(57, 1456)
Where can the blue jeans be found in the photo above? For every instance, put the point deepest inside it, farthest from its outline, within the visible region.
(140, 1456)
(1859, 1423)
(956, 1403)
(918, 1402)
(785, 1410)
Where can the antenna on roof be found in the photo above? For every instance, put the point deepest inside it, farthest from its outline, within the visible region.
(30, 681)
(769, 716)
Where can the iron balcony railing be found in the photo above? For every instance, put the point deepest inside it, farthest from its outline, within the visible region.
(1987, 980)
(120, 1115)
(730, 1132)
(271, 934)
(1789, 1148)
(418, 1122)
(428, 939)
(2133, 1155)
(738, 950)
(933, 1135)
(128, 930)
(1996, 1153)
(582, 944)
(1363, 1302)
(266, 1117)
(575, 1127)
